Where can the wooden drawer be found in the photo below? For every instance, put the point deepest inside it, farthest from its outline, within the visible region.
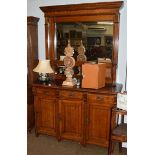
(45, 92)
(100, 98)
(71, 95)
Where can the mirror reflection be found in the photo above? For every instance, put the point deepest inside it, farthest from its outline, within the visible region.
(96, 37)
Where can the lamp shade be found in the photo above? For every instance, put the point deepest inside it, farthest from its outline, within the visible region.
(43, 67)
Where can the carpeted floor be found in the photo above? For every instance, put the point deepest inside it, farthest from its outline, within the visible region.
(46, 145)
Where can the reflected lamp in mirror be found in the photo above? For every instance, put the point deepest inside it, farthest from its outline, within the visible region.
(43, 68)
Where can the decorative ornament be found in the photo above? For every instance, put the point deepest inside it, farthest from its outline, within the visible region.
(81, 51)
(69, 63)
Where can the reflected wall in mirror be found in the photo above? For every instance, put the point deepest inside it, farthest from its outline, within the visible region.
(97, 38)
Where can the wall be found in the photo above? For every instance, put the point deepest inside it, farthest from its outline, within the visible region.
(34, 10)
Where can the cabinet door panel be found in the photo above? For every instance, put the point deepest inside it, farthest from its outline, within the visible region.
(71, 119)
(46, 116)
(98, 125)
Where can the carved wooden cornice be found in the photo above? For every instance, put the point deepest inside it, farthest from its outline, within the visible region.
(83, 9)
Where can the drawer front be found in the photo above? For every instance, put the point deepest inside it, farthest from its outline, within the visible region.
(71, 95)
(100, 98)
(50, 93)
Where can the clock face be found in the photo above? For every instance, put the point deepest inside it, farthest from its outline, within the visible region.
(81, 57)
(69, 62)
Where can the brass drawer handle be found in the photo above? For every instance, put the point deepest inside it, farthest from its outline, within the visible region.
(71, 94)
(99, 98)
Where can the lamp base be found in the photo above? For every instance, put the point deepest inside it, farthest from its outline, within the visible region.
(43, 77)
(44, 82)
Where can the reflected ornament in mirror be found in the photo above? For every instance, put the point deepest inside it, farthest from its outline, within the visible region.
(81, 51)
(69, 51)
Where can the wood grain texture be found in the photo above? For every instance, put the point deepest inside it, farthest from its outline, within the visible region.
(32, 60)
(45, 112)
(72, 116)
(98, 124)
(59, 9)
(77, 114)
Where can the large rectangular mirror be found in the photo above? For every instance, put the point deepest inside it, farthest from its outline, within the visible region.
(96, 24)
(97, 37)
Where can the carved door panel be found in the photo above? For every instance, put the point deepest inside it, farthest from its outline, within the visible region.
(98, 124)
(71, 113)
(45, 115)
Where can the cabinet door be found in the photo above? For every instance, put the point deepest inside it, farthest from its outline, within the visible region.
(45, 110)
(71, 113)
(98, 124)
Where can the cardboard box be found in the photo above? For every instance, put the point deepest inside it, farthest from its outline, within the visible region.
(93, 75)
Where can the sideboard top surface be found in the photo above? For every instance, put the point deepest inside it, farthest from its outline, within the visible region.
(109, 89)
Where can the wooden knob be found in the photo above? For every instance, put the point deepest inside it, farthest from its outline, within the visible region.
(71, 94)
(99, 98)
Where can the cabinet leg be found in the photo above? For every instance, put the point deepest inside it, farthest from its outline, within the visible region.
(113, 146)
(36, 133)
(120, 147)
(59, 139)
(83, 144)
(109, 149)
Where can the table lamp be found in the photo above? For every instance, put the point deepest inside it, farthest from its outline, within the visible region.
(43, 68)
